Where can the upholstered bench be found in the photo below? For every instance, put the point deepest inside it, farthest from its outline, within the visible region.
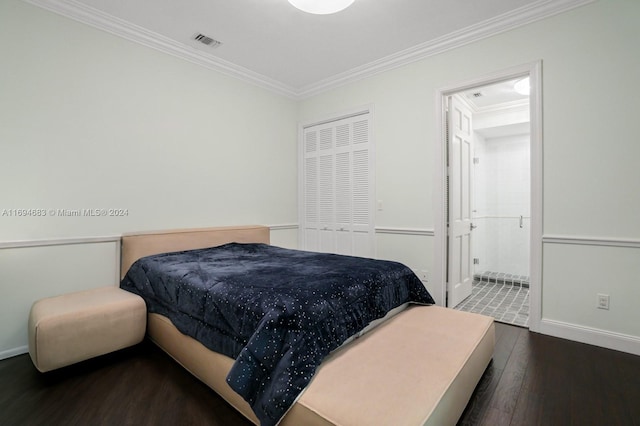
(74, 327)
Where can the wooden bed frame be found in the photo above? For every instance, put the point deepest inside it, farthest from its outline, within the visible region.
(418, 368)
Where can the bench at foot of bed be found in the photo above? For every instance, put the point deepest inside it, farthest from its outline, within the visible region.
(418, 368)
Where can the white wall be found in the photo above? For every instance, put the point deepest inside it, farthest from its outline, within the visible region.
(590, 64)
(89, 120)
(501, 195)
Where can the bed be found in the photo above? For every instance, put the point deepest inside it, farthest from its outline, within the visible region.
(419, 365)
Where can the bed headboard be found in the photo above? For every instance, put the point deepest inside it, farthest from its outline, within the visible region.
(137, 245)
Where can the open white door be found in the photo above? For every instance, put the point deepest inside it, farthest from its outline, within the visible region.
(460, 147)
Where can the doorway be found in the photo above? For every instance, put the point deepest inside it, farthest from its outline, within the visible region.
(496, 241)
(500, 201)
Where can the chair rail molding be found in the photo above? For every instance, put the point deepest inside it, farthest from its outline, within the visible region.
(48, 242)
(404, 231)
(591, 241)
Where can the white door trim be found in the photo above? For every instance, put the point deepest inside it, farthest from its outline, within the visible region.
(534, 70)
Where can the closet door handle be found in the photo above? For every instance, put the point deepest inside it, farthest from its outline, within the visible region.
(472, 227)
(521, 221)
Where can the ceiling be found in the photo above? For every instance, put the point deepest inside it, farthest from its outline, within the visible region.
(496, 94)
(271, 43)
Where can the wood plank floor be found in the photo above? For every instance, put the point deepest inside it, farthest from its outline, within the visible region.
(532, 380)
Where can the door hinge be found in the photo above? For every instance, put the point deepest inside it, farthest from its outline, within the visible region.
(476, 160)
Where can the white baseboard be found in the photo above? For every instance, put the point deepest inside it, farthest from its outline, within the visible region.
(14, 352)
(592, 336)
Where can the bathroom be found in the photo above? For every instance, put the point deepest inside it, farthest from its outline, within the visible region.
(501, 189)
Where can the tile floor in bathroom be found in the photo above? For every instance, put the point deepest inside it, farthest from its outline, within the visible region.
(505, 297)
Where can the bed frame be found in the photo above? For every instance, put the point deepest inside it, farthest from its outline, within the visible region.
(418, 368)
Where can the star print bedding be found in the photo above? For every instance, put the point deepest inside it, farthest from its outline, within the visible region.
(277, 312)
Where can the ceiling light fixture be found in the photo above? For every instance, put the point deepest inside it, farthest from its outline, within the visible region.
(321, 7)
(522, 86)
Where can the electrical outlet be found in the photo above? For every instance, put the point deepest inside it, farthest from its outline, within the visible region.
(603, 301)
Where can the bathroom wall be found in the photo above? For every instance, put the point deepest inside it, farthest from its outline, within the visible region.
(502, 197)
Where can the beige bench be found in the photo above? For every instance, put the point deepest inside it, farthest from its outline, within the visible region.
(418, 368)
(74, 327)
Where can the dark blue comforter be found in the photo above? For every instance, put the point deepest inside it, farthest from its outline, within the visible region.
(278, 312)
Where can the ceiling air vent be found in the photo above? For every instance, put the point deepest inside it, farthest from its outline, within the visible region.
(207, 40)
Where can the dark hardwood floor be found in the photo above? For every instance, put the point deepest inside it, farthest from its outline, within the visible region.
(532, 380)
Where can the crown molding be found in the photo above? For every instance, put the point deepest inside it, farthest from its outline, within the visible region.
(88, 15)
(525, 15)
(78, 11)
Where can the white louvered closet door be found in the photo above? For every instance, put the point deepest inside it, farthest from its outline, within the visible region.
(338, 187)
(326, 194)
